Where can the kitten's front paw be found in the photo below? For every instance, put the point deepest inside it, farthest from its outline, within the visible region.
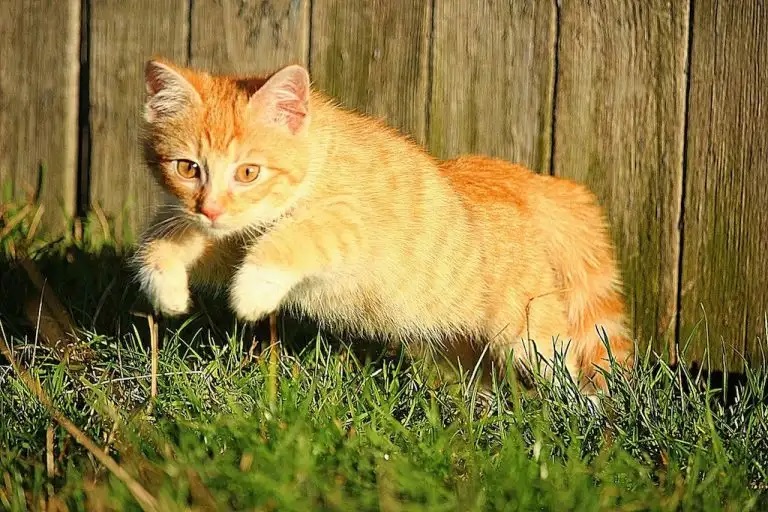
(167, 289)
(257, 291)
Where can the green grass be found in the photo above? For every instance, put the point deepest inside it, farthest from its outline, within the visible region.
(348, 428)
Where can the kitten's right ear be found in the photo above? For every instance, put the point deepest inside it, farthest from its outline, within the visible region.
(168, 91)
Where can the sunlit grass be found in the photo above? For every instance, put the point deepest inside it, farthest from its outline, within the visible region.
(346, 430)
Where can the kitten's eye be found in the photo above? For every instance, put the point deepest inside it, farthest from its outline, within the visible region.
(246, 173)
(187, 169)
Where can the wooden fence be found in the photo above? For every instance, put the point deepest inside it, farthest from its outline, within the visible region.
(660, 106)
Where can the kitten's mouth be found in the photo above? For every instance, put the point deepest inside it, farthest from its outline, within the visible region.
(214, 227)
(218, 229)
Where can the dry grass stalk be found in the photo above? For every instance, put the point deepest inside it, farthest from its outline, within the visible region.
(142, 496)
(35, 223)
(50, 469)
(15, 220)
(154, 348)
(274, 357)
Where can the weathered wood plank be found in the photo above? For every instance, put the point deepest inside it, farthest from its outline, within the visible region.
(725, 258)
(374, 57)
(493, 79)
(39, 67)
(249, 36)
(619, 127)
(123, 36)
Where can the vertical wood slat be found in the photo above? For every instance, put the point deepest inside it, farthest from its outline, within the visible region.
(492, 82)
(123, 36)
(374, 57)
(620, 117)
(725, 256)
(618, 121)
(249, 37)
(39, 66)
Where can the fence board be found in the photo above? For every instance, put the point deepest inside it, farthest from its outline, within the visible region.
(374, 57)
(493, 78)
(487, 80)
(619, 126)
(123, 36)
(39, 66)
(249, 37)
(725, 260)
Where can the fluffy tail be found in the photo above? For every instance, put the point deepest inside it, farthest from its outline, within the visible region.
(582, 255)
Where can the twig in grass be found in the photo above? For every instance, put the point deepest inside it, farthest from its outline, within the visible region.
(274, 356)
(254, 348)
(35, 223)
(153, 355)
(153, 344)
(142, 496)
(49, 467)
(153, 340)
(112, 434)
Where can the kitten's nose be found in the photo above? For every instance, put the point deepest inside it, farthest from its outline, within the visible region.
(212, 210)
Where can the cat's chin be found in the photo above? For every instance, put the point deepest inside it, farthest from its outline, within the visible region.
(218, 231)
(214, 229)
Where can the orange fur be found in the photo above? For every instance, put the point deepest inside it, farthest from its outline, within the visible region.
(358, 227)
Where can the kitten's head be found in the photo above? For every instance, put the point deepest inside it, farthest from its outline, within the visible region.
(233, 151)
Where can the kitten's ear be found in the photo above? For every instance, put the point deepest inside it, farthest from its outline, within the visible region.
(168, 91)
(284, 99)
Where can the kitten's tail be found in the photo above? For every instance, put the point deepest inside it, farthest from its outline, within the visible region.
(582, 255)
(598, 326)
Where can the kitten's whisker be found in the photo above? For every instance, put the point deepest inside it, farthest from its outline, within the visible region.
(169, 226)
(157, 209)
(163, 224)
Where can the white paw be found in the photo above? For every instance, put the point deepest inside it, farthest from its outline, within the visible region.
(167, 289)
(258, 291)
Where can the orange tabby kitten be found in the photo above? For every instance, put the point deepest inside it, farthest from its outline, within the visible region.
(293, 202)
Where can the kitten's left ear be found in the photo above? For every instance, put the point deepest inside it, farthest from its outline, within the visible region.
(284, 99)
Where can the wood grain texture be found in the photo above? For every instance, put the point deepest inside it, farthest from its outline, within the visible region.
(620, 116)
(249, 36)
(123, 36)
(493, 79)
(725, 259)
(374, 57)
(39, 66)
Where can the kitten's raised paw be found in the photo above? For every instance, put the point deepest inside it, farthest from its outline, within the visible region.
(167, 289)
(258, 291)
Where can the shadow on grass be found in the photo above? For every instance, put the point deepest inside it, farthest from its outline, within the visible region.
(95, 288)
(98, 293)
